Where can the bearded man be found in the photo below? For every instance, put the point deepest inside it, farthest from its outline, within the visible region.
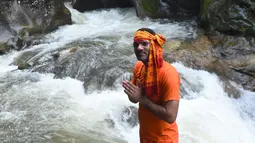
(156, 87)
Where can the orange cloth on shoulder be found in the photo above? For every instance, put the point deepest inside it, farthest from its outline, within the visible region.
(155, 62)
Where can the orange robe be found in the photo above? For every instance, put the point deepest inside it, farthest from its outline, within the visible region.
(153, 129)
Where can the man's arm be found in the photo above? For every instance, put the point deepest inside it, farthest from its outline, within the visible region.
(167, 111)
(131, 99)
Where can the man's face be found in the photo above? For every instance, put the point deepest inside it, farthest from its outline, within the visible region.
(142, 49)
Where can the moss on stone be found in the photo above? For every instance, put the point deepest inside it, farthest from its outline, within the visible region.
(231, 43)
(204, 7)
(35, 30)
(243, 29)
(150, 5)
(30, 31)
(66, 11)
(3, 48)
(22, 32)
(23, 66)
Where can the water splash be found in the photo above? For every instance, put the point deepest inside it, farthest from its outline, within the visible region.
(37, 107)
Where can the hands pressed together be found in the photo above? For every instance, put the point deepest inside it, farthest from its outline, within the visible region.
(135, 93)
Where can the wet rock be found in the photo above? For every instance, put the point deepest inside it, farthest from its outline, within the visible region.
(3, 48)
(24, 66)
(130, 115)
(6, 31)
(26, 18)
(172, 9)
(73, 50)
(235, 17)
(231, 58)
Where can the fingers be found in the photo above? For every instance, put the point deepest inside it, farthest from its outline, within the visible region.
(129, 86)
(139, 83)
(128, 92)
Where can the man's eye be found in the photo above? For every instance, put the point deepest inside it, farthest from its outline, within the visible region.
(144, 43)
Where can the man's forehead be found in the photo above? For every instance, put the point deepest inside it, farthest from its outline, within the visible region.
(142, 40)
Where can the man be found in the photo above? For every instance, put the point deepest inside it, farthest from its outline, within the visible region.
(156, 86)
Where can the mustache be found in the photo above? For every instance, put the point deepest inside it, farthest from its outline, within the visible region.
(141, 52)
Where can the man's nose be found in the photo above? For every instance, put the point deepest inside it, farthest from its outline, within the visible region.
(140, 47)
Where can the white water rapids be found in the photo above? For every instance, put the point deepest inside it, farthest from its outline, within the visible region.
(39, 108)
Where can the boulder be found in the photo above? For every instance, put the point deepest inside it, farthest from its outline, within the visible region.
(235, 17)
(130, 115)
(230, 57)
(171, 9)
(25, 18)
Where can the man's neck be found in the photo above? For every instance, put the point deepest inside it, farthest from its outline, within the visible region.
(145, 64)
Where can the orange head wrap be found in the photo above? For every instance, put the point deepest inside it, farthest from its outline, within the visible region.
(155, 61)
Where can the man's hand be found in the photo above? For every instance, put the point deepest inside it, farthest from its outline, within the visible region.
(134, 93)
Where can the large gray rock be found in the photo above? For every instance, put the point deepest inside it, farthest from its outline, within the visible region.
(229, 16)
(172, 9)
(6, 31)
(23, 18)
(231, 58)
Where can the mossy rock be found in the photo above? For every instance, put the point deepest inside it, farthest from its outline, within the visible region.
(229, 17)
(37, 18)
(23, 66)
(3, 48)
(26, 31)
(204, 7)
(150, 5)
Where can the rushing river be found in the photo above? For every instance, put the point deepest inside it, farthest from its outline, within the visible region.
(39, 107)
